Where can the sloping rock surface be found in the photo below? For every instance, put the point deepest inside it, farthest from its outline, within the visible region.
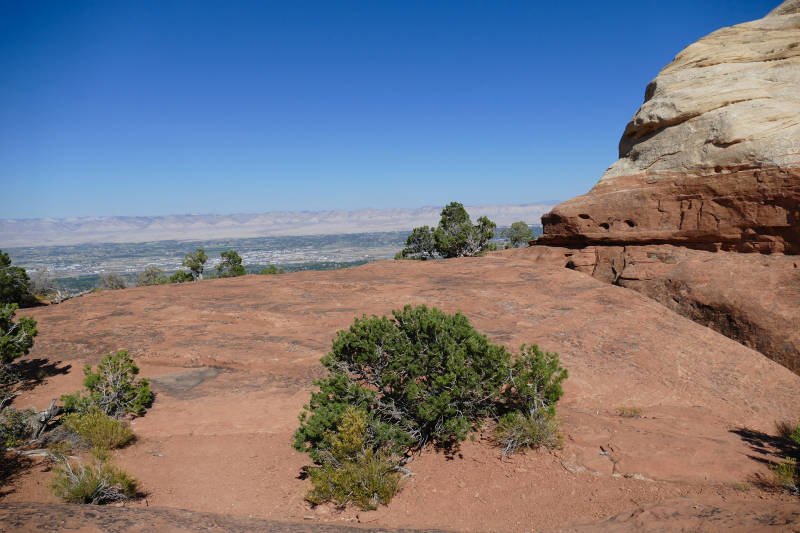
(712, 158)
(753, 299)
(232, 363)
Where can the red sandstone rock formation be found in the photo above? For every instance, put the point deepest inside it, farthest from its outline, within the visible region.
(232, 363)
(753, 299)
(712, 158)
(710, 162)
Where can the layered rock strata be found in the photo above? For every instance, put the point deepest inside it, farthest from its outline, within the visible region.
(712, 158)
(710, 163)
(752, 299)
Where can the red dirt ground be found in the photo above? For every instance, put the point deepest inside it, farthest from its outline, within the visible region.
(232, 363)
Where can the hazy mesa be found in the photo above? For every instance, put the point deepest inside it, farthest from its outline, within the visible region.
(49, 231)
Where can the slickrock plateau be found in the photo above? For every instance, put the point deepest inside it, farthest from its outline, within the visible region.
(709, 166)
(232, 362)
(712, 157)
(751, 298)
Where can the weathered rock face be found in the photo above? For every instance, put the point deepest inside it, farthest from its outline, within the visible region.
(752, 299)
(712, 158)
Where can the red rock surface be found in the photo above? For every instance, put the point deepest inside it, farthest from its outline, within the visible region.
(742, 209)
(753, 299)
(232, 363)
(680, 514)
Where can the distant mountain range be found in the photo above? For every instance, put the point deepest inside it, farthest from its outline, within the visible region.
(68, 231)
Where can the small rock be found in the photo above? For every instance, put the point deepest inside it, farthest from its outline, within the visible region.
(322, 511)
(371, 516)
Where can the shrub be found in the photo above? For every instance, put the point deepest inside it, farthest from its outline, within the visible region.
(112, 281)
(195, 262)
(230, 266)
(98, 430)
(367, 481)
(44, 283)
(352, 471)
(272, 269)
(112, 388)
(151, 276)
(424, 376)
(419, 245)
(788, 430)
(787, 475)
(14, 282)
(180, 276)
(16, 337)
(455, 236)
(15, 426)
(95, 483)
(524, 431)
(519, 234)
(629, 412)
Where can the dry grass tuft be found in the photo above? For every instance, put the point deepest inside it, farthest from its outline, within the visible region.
(629, 412)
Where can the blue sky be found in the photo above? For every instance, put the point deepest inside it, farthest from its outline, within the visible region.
(151, 108)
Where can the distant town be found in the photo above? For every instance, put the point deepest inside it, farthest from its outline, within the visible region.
(79, 267)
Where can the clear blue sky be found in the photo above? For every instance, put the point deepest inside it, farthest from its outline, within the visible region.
(162, 107)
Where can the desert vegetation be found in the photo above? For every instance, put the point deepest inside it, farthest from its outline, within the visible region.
(112, 389)
(97, 429)
(789, 430)
(786, 473)
(93, 417)
(181, 276)
(151, 276)
(455, 236)
(91, 420)
(44, 284)
(16, 340)
(195, 261)
(94, 483)
(112, 281)
(395, 385)
(272, 269)
(230, 265)
(629, 411)
(14, 282)
(518, 234)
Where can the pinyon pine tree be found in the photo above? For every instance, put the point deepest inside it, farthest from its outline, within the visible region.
(455, 236)
(195, 261)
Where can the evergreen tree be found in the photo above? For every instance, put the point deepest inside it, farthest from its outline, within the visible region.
(230, 266)
(195, 261)
(455, 236)
(14, 281)
(519, 234)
